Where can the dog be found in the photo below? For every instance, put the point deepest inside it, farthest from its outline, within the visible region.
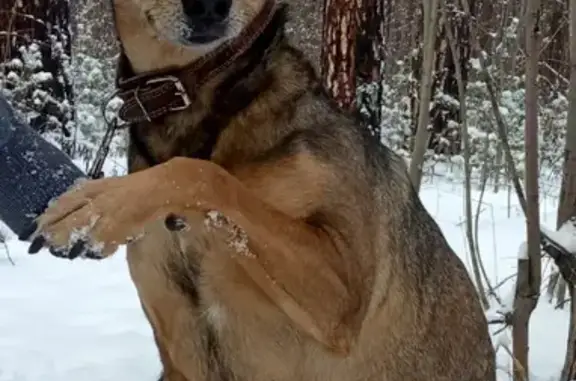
(270, 236)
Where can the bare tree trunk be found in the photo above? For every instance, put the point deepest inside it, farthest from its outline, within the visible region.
(422, 133)
(467, 171)
(529, 265)
(567, 203)
(567, 206)
(338, 56)
(508, 65)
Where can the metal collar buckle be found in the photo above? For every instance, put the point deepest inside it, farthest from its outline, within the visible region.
(180, 91)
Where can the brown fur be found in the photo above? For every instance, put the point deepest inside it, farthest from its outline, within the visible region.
(321, 263)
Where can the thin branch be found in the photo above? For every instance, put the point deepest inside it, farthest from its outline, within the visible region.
(3, 243)
(555, 72)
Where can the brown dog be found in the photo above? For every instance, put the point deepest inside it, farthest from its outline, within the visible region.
(270, 236)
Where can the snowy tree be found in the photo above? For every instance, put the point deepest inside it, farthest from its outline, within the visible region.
(94, 51)
(35, 65)
(529, 266)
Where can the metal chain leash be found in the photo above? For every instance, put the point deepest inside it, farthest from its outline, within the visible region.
(96, 169)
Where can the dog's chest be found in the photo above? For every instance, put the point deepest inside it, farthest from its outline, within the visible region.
(218, 340)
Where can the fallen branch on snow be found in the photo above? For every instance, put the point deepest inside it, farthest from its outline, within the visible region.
(3, 242)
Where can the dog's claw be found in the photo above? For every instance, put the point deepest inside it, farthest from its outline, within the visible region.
(37, 244)
(77, 249)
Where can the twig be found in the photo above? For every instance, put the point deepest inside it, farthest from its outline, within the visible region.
(503, 281)
(561, 303)
(556, 73)
(517, 363)
(506, 318)
(3, 242)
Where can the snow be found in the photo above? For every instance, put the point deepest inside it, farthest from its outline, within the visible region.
(43, 76)
(500, 237)
(71, 321)
(237, 238)
(565, 236)
(523, 251)
(81, 320)
(475, 62)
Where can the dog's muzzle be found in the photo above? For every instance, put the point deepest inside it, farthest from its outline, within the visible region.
(205, 20)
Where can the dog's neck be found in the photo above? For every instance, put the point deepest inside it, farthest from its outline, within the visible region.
(235, 105)
(151, 95)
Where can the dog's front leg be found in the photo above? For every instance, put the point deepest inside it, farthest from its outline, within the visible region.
(297, 265)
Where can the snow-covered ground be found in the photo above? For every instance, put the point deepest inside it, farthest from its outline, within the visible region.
(501, 233)
(81, 320)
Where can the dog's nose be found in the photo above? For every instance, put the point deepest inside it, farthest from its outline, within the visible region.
(207, 10)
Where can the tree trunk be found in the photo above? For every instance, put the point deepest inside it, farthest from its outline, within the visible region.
(338, 56)
(430, 17)
(567, 205)
(567, 202)
(459, 76)
(370, 62)
(529, 264)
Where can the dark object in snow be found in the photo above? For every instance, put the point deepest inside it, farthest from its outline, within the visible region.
(32, 172)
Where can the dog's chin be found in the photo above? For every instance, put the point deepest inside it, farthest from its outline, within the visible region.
(200, 39)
